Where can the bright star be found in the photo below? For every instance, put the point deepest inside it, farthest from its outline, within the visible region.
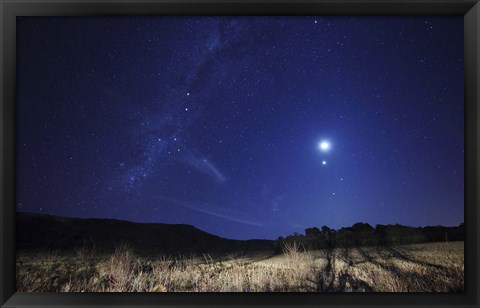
(324, 145)
(324, 162)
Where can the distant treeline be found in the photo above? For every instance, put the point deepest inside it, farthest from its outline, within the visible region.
(363, 234)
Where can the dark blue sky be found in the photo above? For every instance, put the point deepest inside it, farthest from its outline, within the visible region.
(216, 121)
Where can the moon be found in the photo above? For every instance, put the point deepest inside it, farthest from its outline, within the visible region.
(324, 146)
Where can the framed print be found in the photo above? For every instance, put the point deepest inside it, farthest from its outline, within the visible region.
(224, 153)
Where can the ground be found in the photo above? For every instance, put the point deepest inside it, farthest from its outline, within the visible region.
(430, 267)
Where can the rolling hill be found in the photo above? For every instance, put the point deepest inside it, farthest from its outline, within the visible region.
(46, 232)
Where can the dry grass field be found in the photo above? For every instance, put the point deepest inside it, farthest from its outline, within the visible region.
(432, 267)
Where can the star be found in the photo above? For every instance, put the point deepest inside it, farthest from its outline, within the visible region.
(324, 162)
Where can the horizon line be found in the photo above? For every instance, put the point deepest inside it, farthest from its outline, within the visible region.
(186, 224)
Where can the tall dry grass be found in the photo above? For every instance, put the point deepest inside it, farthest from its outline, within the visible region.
(436, 267)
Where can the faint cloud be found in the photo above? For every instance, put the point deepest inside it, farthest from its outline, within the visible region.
(205, 166)
(213, 211)
(276, 201)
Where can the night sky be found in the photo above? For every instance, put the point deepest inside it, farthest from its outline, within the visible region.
(218, 122)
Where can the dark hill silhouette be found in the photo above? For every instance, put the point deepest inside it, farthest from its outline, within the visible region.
(46, 232)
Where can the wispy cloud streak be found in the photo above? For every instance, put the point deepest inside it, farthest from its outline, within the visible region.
(213, 211)
(204, 166)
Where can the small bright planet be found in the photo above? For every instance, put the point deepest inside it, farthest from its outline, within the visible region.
(324, 162)
(324, 145)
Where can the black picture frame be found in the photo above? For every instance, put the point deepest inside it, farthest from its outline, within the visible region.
(10, 9)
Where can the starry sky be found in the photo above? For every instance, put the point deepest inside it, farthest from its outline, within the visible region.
(218, 122)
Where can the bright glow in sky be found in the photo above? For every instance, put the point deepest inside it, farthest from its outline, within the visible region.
(324, 146)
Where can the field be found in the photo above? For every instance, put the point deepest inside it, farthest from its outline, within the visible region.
(431, 267)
